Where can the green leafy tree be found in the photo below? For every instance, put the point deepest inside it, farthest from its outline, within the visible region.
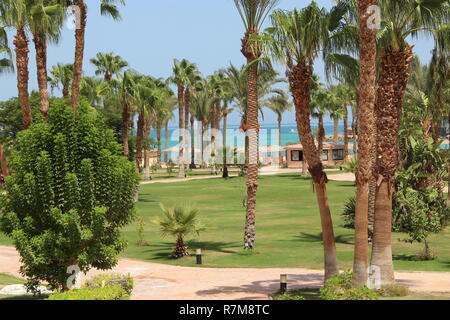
(68, 197)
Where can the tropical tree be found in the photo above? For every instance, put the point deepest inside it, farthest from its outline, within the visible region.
(107, 8)
(201, 104)
(295, 40)
(400, 20)
(279, 104)
(182, 75)
(179, 222)
(108, 65)
(16, 14)
(61, 78)
(253, 14)
(94, 89)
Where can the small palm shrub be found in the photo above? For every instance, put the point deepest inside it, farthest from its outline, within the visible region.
(351, 165)
(179, 222)
(348, 213)
(393, 290)
(340, 287)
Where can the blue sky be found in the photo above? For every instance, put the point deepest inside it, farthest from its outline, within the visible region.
(154, 32)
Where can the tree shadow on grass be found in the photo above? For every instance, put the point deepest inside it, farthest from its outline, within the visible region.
(268, 287)
(309, 237)
(164, 250)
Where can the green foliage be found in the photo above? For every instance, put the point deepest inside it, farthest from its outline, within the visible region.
(155, 167)
(169, 168)
(179, 221)
(351, 165)
(348, 213)
(106, 293)
(290, 295)
(69, 195)
(340, 287)
(111, 280)
(393, 290)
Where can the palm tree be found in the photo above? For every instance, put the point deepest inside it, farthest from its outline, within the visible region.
(107, 7)
(297, 38)
(279, 104)
(46, 19)
(399, 21)
(319, 108)
(16, 14)
(182, 73)
(253, 14)
(61, 76)
(201, 104)
(94, 89)
(108, 64)
(179, 222)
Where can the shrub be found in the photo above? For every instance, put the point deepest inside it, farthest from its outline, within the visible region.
(69, 195)
(290, 295)
(393, 290)
(111, 280)
(340, 287)
(348, 213)
(106, 293)
(179, 222)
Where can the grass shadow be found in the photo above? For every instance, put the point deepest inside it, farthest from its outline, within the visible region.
(309, 237)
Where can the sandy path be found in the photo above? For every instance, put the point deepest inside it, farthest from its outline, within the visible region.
(158, 281)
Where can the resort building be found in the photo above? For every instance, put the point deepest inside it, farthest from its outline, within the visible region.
(333, 154)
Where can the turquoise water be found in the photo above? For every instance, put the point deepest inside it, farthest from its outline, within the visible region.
(235, 138)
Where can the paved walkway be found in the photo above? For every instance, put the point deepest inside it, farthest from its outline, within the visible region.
(164, 282)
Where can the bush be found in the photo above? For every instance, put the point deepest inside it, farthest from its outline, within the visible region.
(348, 214)
(106, 293)
(340, 287)
(70, 193)
(393, 290)
(111, 280)
(290, 295)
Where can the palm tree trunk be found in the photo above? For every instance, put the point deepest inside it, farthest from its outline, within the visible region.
(158, 140)
(181, 173)
(224, 142)
(187, 110)
(139, 140)
(393, 78)
(125, 129)
(345, 133)
(280, 153)
(21, 44)
(3, 162)
(336, 130)
(192, 142)
(166, 142)
(299, 79)
(366, 141)
(79, 54)
(252, 172)
(41, 64)
(147, 135)
(321, 136)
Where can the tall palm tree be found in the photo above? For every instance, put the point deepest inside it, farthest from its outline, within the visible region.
(182, 72)
(108, 64)
(297, 38)
(107, 8)
(253, 14)
(279, 104)
(400, 20)
(94, 89)
(16, 14)
(61, 77)
(46, 20)
(201, 104)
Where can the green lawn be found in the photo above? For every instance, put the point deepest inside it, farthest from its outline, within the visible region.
(287, 226)
(7, 279)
